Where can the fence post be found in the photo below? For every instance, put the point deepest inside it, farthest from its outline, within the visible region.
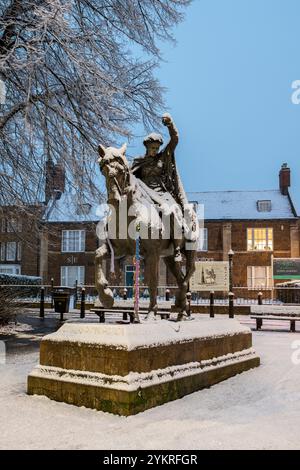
(211, 304)
(52, 287)
(167, 295)
(259, 298)
(125, 294)
(42, 303)
(188, 298)
(231, 307)
(82, 303)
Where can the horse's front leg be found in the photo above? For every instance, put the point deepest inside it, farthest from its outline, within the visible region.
(105, 294)
(151, 278)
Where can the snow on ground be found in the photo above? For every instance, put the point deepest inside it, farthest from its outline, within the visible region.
(259, 409)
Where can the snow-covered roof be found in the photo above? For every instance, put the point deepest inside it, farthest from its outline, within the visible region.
(238, 205)
(218, 205)
(67, 209)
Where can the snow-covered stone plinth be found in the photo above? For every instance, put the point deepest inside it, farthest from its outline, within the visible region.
(125, 369)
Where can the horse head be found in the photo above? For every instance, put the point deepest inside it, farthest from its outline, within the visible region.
(115, 168)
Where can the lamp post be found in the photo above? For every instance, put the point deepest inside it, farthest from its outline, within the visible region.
(230, 257)
(230, 295)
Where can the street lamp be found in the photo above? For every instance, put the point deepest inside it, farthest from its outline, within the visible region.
(230, 295)
(230, 257)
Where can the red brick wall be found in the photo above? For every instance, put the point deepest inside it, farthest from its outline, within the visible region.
(57, 258)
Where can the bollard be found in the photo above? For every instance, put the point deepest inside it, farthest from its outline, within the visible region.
(167, 295)
(259, 298)
(230, 310)
(52, 287)
(125, 294)
(211, 304)
(42, 303)
(82, 303)
(188, 298)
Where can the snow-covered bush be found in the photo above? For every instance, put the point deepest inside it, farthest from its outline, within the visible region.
(13, 288)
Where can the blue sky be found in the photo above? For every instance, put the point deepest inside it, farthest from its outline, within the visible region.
(229, 83)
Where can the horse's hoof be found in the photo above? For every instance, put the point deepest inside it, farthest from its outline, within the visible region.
(182, 316)
(150, 317)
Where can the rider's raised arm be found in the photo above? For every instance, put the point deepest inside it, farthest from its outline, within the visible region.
(173, 132)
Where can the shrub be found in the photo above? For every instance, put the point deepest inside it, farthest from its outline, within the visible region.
(14, 288)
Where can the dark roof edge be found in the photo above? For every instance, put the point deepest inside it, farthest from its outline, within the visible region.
(292, 205)
(251, 220)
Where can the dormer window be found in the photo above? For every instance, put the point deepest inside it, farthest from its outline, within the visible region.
(83, 209)
(264, 206)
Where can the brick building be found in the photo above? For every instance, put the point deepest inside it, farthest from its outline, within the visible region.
(257, 225)
(19, 239)
(68, 241)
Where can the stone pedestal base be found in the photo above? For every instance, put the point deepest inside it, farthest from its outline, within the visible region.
(126, 369)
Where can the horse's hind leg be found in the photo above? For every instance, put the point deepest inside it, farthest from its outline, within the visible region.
(180, 301)
(105, 294)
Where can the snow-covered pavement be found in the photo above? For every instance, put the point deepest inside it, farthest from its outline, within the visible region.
(259, 409)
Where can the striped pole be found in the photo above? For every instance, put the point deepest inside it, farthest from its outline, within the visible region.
(137, 275)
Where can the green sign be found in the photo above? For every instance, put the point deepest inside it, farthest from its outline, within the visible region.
(286, 268)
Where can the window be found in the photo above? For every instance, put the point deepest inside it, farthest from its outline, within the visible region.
(11, 251)
(259, 276)
(203, 239)
(73, 241)
(129, 268)
(83, 209)
(10, 269)
(14, 225)
(2, 254)
(3, 225)
(264, 206)
(259, 239)
(19, 251)
(70, 274)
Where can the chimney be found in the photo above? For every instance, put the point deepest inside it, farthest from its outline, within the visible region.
(55, 180)
(284, 179)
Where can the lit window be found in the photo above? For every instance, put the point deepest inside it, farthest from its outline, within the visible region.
(259, 239)
(259, 276)
(71, 274)
(203, 239)
(264, 206)
(11, 251)
(73, 241)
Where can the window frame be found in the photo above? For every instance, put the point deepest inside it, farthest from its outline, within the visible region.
(267, 202)
(268, 239)
(13, 267)
(268, 277)
(14, 257)
(65, 241)
(80, 275)
(204, 248)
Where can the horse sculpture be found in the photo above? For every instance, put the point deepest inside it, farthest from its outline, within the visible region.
(124, 190)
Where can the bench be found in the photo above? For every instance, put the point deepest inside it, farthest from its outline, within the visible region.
(259, 320)
(269, 309)
(101, 311)
(275, 312)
